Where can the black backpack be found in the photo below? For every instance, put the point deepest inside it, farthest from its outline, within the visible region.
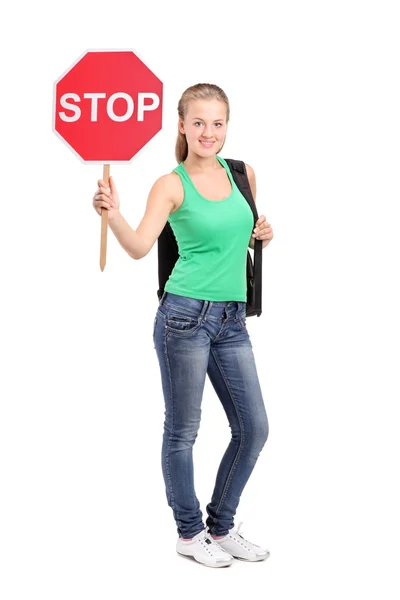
(168, 247)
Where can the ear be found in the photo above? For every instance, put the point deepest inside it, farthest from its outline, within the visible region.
(181, 127)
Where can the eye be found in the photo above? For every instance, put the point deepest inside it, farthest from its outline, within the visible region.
(198, 123)
(218, 124)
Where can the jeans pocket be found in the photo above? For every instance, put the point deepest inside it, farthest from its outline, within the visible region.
(179, 324)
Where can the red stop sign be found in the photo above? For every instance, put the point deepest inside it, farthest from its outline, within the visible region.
(108, 105)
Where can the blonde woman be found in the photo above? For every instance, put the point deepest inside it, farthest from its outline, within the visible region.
(200, 323)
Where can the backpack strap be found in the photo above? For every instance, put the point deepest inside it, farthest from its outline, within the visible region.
(239, 174)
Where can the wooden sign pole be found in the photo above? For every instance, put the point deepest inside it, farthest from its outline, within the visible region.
(104, 222)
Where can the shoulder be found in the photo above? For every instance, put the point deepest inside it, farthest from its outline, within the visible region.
(252, 180)
(168, 180)
(170, 186)
(250, 172)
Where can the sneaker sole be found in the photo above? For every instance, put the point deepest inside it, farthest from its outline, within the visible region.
(258, 559)
(214, 565)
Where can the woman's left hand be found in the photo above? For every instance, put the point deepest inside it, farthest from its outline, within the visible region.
(263, 231)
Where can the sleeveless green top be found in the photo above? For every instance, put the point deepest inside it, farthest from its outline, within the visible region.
(213, 238)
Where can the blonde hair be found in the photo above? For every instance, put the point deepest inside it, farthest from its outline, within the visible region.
(200, 91)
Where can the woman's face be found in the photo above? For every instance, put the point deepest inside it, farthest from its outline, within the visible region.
(205, 126)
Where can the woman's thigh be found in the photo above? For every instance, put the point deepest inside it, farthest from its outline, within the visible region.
(233, 373)
(183, 354)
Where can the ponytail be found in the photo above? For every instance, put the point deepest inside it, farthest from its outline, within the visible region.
(181, 147)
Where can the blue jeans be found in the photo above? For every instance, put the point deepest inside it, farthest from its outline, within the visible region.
(193, 338)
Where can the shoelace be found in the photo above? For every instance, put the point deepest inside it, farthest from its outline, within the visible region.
(238, 529)
(215, 543)
(251, 543)
(243, 538)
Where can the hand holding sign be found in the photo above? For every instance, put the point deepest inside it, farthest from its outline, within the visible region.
(108, 105)
(106, 197)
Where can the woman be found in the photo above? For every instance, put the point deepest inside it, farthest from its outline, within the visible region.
(200, 324)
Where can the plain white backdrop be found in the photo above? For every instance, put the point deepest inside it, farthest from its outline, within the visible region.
(315, 96)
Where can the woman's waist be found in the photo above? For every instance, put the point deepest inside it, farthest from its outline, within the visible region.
(205, 308)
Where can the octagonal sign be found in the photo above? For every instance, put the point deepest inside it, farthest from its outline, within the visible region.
(107, 106)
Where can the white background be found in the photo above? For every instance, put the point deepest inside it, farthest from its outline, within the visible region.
(314, 92)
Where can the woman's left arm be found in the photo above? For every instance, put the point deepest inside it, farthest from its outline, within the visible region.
(263, 230)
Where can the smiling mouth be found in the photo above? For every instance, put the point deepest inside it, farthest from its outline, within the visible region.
(208, 144)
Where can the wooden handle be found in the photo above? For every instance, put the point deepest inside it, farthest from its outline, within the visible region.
(104, 222)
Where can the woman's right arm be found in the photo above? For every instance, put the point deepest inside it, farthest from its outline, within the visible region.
(160, 203)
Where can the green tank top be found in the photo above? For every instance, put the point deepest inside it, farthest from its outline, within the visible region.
(213, 238)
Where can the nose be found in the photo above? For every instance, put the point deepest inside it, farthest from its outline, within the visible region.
(207, 132)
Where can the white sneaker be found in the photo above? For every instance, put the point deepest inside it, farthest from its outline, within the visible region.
(238, 547)
(205, 550)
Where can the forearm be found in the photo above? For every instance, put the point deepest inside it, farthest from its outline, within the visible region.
(126, 236)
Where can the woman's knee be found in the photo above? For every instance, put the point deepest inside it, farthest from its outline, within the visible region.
(182, 436)
(259, 434)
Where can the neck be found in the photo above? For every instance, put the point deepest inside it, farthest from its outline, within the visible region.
(194, 162)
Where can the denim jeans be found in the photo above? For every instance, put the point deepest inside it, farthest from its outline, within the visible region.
(193, 338)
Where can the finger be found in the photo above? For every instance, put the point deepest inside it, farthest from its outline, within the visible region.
(104, 195)
(257, 227)
(105, 191)
(101, 196)
(104, 187)
(102, 204)
(261, 233)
